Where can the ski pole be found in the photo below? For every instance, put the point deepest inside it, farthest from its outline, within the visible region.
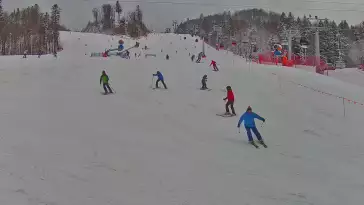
(112, 89)
(151, 86)
(239, 129)
(262, 124)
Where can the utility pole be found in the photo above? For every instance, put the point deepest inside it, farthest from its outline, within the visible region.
(317, 47)
(203, 38)
(291, 34)
(316, 21)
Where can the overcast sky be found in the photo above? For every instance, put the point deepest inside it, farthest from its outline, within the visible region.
(76, 13)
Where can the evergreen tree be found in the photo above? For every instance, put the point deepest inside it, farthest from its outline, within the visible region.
(107, 19)
(47, 32)
(139, 20)
(55, 19)
(96, 14)
(282, 27)
(118, 10)
(332, 44)
(28, 29)
(2, 20)
(345, 37)
(2, 25)
(290, 21)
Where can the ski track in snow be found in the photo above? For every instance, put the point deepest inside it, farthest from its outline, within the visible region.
(63, 143)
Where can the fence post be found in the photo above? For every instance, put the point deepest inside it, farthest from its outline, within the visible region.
(344, 106)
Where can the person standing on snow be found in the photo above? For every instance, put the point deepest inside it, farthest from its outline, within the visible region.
(213, 64)
(160, 79)
(25, 54)
(39, 53)
(104, 79)
(203, 81)
(249, 123)
(230, 101)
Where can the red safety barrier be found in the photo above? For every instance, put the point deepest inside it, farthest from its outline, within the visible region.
(268, 58)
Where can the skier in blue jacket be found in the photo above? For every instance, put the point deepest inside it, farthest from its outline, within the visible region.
(160, 79)
(249, 123)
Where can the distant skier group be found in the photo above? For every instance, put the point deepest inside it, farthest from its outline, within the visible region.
(248, 117)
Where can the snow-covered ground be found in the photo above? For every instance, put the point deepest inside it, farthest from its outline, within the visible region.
(63, 143)
(349, 75)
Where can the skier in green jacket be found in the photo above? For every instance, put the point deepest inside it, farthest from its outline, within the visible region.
(104, 79)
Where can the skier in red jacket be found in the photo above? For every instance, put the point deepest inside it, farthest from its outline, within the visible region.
(213, 63)
(230, 97)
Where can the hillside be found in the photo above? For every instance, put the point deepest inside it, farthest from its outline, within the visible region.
(63, 142)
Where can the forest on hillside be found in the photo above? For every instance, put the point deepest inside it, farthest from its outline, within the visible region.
(338, 41)
(112, 19)
(30, 30)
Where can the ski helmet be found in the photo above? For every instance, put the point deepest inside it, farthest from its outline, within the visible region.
(228, 88)
(249, 109)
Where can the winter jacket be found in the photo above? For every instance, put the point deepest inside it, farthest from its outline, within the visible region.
(159, 75)
(104, 79)
(230, 96)
(248, 118)
(213, 63)
(204, 80)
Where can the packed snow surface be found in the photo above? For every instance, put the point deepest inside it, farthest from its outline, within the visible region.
(64, 143)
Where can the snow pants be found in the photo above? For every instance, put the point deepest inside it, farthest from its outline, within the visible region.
(204, 86)
(231, 104)
(216, 68)
(256, 132)
(157, 84)
(107, 87)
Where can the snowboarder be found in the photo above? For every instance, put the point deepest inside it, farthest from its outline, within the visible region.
(192, 58)
(230, 101)
(213, 64)
(104, 79)
(249, 123)
(160, 79)
(203, 81)
(167, 57)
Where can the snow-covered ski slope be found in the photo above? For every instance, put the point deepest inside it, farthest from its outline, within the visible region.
(63, 143)
(353, 76)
